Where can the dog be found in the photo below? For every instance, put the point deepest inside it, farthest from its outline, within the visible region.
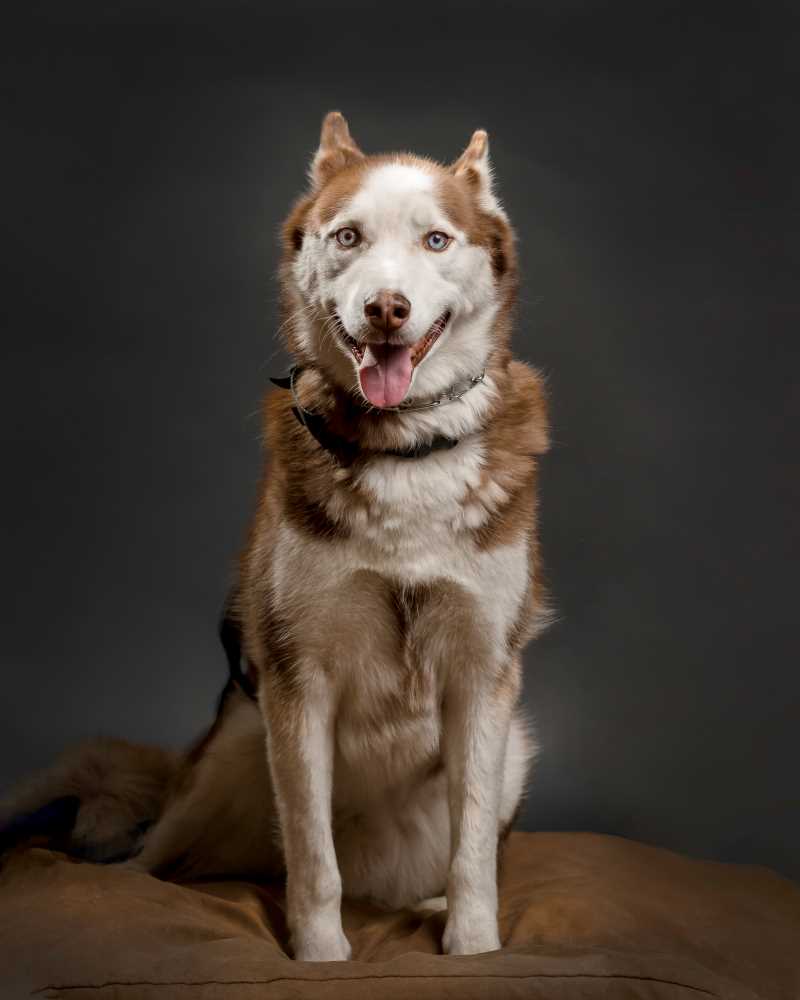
(389, 583)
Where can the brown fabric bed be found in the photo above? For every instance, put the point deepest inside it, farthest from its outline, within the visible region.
(582, 916)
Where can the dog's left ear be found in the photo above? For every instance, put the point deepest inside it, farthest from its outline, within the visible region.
(337, 150)
(474, 167)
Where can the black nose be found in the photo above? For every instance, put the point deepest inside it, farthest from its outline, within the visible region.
(387, 311)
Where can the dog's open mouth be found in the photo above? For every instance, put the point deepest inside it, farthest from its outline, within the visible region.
(385, 369)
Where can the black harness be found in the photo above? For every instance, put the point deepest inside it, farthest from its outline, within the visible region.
(346, 451)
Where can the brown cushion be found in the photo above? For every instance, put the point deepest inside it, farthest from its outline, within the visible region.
(582, 916)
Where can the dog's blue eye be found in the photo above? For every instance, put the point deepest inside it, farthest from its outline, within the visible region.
(437, 241)
(348, 237)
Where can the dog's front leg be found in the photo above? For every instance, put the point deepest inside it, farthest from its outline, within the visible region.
(300, 734)
(477, 715)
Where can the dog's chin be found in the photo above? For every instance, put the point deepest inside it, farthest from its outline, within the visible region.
(385, 368)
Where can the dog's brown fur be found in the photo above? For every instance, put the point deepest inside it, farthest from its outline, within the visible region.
(402, 683)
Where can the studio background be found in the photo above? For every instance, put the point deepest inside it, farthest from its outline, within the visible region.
(647, 155)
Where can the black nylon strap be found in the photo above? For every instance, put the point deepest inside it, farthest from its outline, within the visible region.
(317, 427)
(344, 450)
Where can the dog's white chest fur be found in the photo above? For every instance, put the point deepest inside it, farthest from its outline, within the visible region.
(417, 506)
(415, 526)
(412, 532)
(416, 512)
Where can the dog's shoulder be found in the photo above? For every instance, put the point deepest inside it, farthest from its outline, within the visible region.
(287, 441)
(520, 424)
(278, 421)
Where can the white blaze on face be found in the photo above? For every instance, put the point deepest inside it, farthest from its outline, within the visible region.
(393, 211)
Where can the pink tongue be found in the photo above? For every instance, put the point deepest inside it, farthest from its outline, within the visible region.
(385, 373)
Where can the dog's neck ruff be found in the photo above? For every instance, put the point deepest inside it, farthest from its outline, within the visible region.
(346, 451)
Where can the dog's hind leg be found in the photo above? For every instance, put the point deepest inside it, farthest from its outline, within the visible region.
(220, 818)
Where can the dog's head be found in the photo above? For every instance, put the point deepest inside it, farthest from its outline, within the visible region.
(395, 269)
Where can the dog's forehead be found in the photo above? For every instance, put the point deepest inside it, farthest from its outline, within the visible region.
(393, 191)
(385, 194)
(394, 195)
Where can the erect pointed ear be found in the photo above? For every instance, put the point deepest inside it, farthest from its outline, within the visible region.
(337, 150)
(474, 167)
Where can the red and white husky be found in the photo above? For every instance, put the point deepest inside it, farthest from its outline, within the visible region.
(389, 582)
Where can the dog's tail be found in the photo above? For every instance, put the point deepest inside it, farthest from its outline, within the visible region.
(99, 799)
(95, 802)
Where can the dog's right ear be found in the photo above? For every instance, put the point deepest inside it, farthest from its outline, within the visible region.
(337, 150)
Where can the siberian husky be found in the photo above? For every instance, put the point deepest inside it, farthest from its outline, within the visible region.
(390, 580)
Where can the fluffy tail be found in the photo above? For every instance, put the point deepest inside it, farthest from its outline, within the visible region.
(98, 800)
(95, 802)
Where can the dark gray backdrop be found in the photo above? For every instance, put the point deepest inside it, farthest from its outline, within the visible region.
(647, 154)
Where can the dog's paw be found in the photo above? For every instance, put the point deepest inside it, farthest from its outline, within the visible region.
(470, 932)
(321, 941)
